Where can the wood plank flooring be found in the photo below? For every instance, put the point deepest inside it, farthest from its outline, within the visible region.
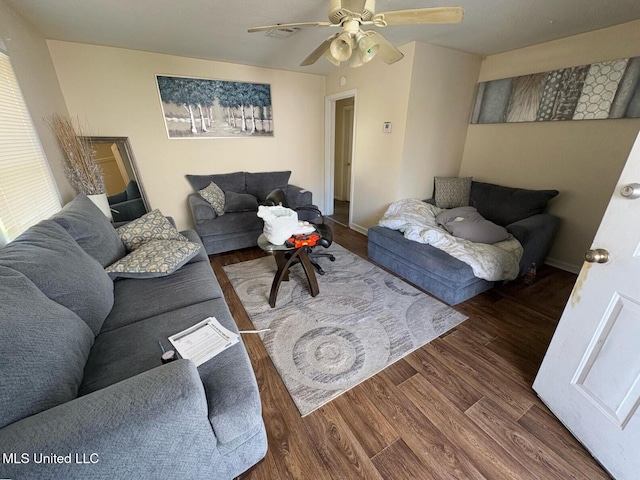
(461, 407)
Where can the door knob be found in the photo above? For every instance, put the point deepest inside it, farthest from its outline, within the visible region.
(631, 191)
(598, 255)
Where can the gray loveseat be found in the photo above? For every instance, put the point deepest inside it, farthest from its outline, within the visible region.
(520, 211)
(239, 226)
(83, 391)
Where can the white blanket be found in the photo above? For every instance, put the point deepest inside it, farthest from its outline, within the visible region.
(416, 220)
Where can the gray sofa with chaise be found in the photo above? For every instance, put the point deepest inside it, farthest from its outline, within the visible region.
(83, 391)
(520, 211)
(239, 226)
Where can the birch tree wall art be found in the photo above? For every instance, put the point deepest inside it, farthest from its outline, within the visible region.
(201, 108)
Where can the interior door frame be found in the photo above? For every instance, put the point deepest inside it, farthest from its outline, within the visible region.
(329, 149)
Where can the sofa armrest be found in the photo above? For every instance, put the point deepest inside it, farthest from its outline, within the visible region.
(298, 196)
(536, 234)
(201, 210)
(153, 425)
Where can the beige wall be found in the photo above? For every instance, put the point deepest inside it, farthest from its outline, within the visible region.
(443, 84)
(428, 125)
(581, 159)
(114, 91)
(37, 78)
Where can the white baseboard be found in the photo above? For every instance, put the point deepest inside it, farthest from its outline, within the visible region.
(358, 228)
(562, 265)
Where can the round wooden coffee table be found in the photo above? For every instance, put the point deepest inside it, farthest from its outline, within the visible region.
(285, 257)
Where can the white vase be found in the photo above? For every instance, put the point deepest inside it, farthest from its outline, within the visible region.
(100, 199)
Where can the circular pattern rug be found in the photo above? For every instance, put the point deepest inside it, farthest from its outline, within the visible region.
(362, 321)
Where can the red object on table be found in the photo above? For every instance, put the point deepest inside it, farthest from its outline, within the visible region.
(303, 240)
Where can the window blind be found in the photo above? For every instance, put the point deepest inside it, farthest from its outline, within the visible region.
(27, 191)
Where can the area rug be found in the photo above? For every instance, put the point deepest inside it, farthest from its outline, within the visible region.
(362, 321)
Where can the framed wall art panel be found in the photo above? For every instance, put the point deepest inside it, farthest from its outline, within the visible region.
(598, 91)
(202, 108)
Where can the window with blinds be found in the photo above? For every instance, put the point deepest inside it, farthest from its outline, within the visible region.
(27, 191)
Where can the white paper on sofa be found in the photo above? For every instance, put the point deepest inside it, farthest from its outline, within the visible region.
(279, 223)
(203, 341)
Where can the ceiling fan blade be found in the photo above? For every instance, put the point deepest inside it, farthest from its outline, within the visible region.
(318, 52)
(285, 26)
(387, 51)
(421, 15)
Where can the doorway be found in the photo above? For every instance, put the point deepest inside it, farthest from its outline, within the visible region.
(340, 115)
(342, 160)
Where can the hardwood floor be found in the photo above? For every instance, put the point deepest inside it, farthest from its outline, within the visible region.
(461, 407)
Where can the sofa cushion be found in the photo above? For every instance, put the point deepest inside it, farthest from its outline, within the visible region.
(452, 192)
(505, 205)
(137, 299)
(467, 223)
(156, 258)
(228, 182)
(262, 184)
(43, 349)
(151, 226)
(215, 196)
(88, 226)
(239, 222)
(234, 409)
(48, 256)
(240, 202)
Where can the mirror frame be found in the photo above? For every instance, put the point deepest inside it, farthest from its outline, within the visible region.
(126, 144)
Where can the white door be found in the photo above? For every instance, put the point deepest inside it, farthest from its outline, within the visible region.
(590, 376)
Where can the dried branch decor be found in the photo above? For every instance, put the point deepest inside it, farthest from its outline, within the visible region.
(81, 169)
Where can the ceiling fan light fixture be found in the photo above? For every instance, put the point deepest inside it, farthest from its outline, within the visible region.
(331, 59)
(354, 45)
(341, 48)
(367, 47)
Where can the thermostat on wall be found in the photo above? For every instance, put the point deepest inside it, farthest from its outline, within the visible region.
(386, 127)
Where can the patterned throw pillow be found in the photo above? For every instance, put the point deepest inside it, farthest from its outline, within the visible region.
(152, 226)
(452, 192)
(215, 196)
(157, 258)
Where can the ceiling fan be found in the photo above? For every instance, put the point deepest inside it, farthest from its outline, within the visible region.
(359, 46)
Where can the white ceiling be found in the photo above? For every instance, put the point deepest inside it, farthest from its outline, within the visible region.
(217, 29)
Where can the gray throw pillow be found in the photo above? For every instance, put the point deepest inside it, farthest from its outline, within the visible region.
(48, 256)
(215, 196)
(452, 192)
(240, 202)
(43, 349)
(157, 258)
(151, 226)
(93, 231)
(467, 223)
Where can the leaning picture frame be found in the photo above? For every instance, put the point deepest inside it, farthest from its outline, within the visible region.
(205, 108)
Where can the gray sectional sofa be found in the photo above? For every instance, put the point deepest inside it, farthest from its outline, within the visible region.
(84, 393)
(239, 226)
(520, 211)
